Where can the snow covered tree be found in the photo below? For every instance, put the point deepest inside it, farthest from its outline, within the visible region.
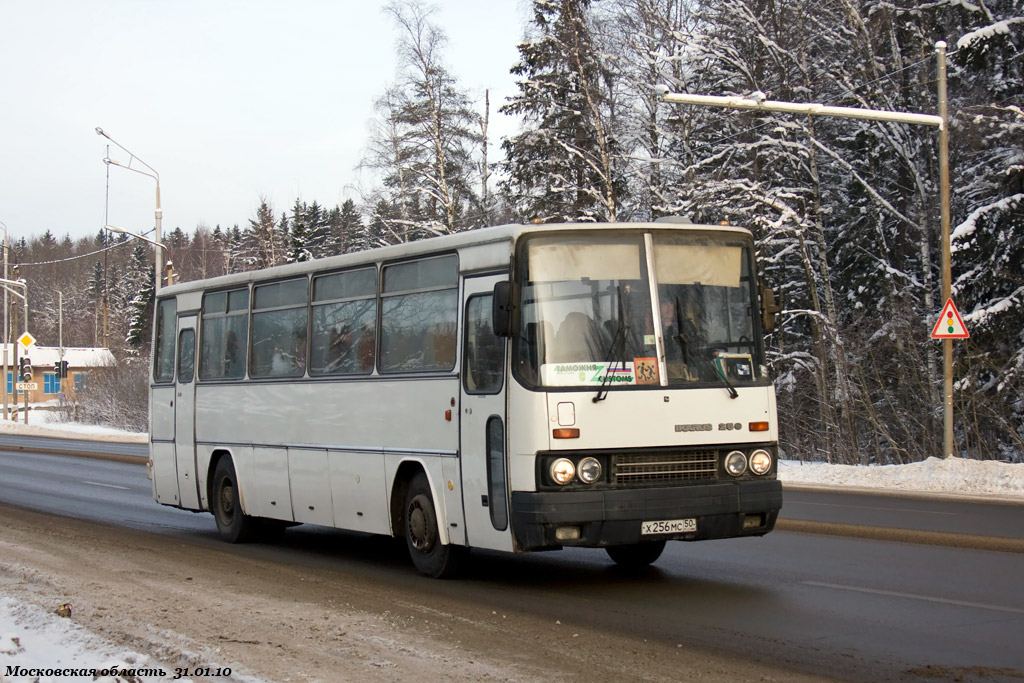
(267, 242)
(348, 225)
(425, 134)
(988, 236)
(566, 165)
(136, 292)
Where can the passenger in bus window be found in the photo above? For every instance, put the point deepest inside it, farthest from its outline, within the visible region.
(685, 338)
(232, 357)
(579, 339)
(365, 349)
(279, 365)
(341, 351)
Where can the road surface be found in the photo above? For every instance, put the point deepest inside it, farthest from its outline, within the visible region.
(819, 605)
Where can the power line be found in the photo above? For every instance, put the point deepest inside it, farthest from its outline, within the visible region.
(79, 256)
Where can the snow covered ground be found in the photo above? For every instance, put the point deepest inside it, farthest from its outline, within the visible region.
(32, 638)
(38, 646)
(44, 420)
(953, 476)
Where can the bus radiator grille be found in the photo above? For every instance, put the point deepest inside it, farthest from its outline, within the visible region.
(660, 468)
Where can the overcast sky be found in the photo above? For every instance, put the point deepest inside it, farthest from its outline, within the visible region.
(227, 100)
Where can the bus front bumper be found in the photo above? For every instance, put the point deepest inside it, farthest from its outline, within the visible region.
(614, 517)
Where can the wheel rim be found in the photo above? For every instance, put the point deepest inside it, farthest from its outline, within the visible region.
(226, 500)
(422, 529)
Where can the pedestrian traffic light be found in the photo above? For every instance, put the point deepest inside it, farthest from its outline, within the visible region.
(25, 365)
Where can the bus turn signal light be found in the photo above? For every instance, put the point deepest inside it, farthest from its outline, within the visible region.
(758, 426)
(566, 433)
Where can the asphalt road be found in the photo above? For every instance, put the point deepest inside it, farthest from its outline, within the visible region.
(854, 608)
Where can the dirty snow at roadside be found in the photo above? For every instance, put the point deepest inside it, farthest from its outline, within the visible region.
(36, 645)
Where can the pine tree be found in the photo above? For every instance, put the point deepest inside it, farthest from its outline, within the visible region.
(267, 249)
(137, 290)
(299, 237)
(348, 225)
(566, 165)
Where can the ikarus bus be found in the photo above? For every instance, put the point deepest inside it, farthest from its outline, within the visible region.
(514, 388)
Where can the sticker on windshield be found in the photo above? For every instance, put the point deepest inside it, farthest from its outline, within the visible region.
(646, 370)
(587, 374)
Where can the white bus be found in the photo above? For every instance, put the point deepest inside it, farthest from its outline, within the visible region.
(515, 388)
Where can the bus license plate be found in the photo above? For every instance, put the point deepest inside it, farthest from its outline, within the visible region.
(670, 526)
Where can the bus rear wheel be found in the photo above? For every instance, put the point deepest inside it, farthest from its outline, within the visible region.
(234, 525)
(422, 535)
(636, 555)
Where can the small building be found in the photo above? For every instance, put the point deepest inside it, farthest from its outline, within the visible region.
(44, 370)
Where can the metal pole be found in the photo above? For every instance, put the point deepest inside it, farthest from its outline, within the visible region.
(159, 253)
(7, 329)
(26, 329)
(947, 277)
(60, 339)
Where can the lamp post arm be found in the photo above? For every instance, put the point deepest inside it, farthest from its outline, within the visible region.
(131, 157)
(8, 286)
(114, 228)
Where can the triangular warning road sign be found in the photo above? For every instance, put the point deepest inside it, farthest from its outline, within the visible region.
(950, 325)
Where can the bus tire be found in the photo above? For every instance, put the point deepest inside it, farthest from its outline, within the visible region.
(636, 555)
(422, 535)
(234, 525)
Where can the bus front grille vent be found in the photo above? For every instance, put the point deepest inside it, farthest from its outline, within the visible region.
(630, 468)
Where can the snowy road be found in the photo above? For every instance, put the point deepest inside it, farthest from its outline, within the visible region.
(844, 607)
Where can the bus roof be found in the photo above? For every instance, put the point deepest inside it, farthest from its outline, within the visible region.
(443, 243)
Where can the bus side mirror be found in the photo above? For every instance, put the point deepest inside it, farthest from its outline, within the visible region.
(769, 309)
(502, 311)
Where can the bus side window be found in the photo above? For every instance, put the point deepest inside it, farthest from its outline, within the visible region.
(186, 356)
(419, 312)
(344, 322)
(163, 355)
(485, 351)
(224, 331)
(279, 325)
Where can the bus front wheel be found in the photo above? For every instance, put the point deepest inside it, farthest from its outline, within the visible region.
(422, 536)
(637, 555)
(234, 525)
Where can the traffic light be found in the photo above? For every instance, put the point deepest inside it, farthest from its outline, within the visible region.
(62, 369)
(25, 367)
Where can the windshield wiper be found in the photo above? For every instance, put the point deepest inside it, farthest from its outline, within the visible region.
(720, 371)
(620, 337)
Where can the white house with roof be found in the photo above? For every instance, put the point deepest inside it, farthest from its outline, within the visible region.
(44, 369)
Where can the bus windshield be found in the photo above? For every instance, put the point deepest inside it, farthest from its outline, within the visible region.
(616, 311)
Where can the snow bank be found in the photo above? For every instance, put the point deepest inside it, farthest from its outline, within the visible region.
(44, 422)
(40, 646)
(952, 475)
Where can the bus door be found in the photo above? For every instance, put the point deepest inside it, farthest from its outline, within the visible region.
(484, 464)
(185, 413)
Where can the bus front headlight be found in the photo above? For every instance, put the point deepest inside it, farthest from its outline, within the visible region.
(562, 471)
(736, 463)
(590, 470)
(760, 462)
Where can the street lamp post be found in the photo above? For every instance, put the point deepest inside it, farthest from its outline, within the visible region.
(159, 257)
(11, 286)
(7, 331)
